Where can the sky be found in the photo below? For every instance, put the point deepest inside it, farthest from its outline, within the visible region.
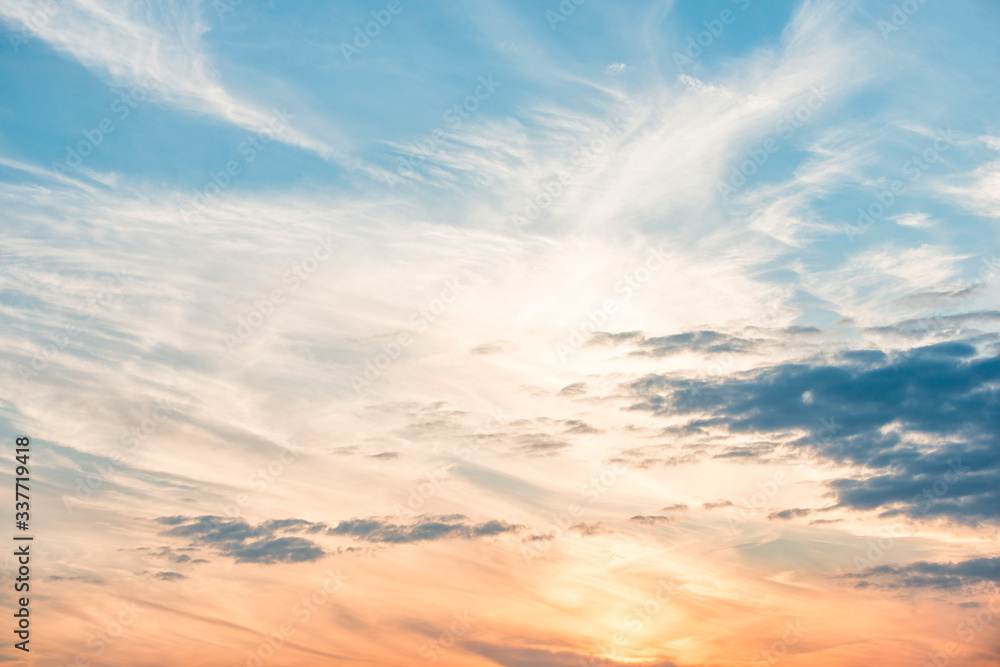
(654, 334)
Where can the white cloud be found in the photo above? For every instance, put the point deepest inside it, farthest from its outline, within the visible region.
(130, 41)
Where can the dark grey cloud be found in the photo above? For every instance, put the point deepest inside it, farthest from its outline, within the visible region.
(518, 656)
(706, 342)
(540, 444)
(578, 427)
(945, 326)
(169, 576)
(676, 507)
(424, 528)
(264, 543)
(717, 505)
(575, 389)
(493, 348)
(589, 529)
(651, 520)
(926, 574)
(785, 515)
(868, 411)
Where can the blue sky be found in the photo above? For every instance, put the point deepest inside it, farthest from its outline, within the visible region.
(500, 250)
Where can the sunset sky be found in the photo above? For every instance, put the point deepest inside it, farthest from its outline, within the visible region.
(508, 332)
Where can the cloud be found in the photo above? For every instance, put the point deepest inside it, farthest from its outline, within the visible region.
(920, 426)
(719, 504)
(651, 520)
(580, 427)
(128, 41)
(785, 515)
(926, 574)
(493, 348)
(575, 389)
(246, 543)
(424, 528)
(516, 656)
(676, 507)
(706, 342)
(588, 529)
(539, 444)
